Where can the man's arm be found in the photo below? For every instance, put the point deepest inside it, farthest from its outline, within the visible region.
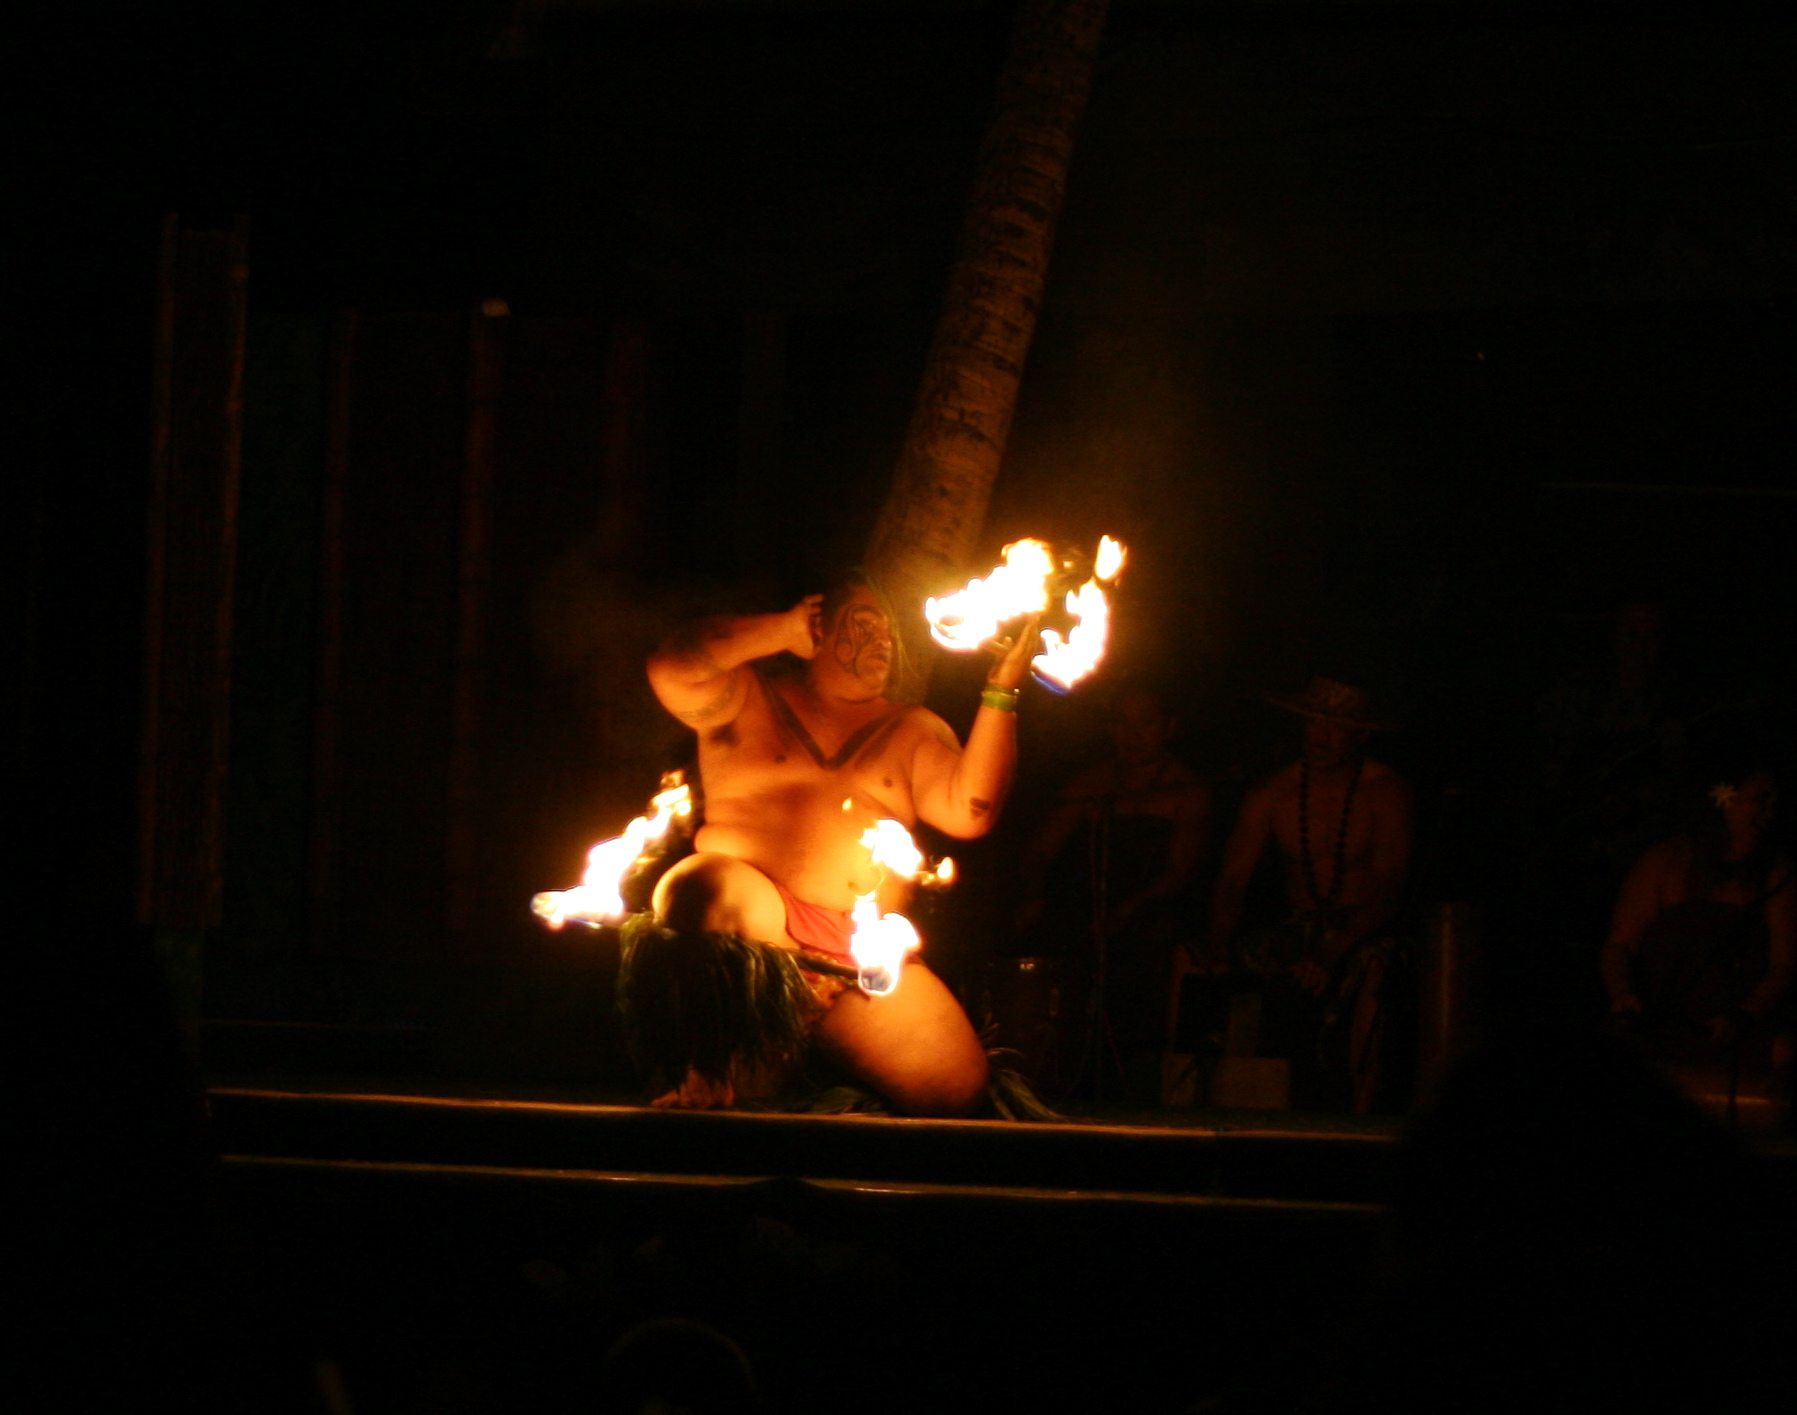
(960, 790)
(698, 673)
(1636, 907)
(1240, 856)
(1191, 836)
(1781, 943)
(1046, 844)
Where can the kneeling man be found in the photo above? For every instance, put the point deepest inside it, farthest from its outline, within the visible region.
(794, 769)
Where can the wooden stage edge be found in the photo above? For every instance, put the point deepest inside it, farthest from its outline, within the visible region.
(485, 1137)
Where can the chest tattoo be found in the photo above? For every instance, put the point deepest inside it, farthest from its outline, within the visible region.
(868, 735)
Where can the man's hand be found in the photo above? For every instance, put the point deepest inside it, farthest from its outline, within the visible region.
(1119, 916)
(1008, 671)
(1030, 914)
(1311, 974)
(1200, 958)
(697, 1093)
(803, 628)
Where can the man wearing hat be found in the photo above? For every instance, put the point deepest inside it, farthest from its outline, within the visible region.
(1341, 822)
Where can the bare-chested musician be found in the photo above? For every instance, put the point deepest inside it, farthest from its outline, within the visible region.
(779, 858)
(1342, 825)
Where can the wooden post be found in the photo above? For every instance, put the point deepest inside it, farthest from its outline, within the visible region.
(1445, 1027)
(195, 465)
(474, 571)
(327, 766)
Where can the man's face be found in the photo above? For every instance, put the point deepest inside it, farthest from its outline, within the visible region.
(1330, 744)
(1751, 811)
(1637, 637)
(858, 642)
(1140, 731)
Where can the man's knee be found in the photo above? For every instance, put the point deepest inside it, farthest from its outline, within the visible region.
(951, 1091)
(714, 893)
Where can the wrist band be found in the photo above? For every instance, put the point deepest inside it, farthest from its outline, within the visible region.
(999, 699)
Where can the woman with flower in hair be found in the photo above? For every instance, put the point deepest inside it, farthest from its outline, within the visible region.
(1703, 942)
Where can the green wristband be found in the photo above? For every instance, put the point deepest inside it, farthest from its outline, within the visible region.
(999, 699)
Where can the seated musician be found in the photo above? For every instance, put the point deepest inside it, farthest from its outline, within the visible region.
(1703, 945)
(1112, 863)
(1341, 824)
(732, 978)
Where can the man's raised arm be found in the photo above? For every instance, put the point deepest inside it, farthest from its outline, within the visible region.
(697, 674)
(959, 790)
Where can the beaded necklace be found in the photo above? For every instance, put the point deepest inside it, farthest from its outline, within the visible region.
(1341, 837)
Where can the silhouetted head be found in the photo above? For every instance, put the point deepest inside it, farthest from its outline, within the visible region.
(1737, 815)
(1141, 726)
(1338, 719)
(673, 1364)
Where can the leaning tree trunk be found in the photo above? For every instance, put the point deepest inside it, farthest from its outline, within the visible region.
(937, 506)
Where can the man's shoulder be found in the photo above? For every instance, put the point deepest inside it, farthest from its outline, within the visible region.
(1177, 773)
(1377, 777)
(919, 722)
(1097, 779)
(1277, 786)
(1186, 789)
(1675, 852)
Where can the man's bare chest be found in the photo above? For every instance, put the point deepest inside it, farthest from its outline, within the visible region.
(773, 746)
(1328, 826)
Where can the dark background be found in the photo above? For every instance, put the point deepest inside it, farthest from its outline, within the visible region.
(1401, 341)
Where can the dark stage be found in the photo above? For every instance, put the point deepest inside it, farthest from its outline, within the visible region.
(394, 379)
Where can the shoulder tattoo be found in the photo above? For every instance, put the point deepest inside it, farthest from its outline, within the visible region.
(711, 710)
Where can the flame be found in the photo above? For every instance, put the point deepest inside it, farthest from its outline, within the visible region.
(968, 617)
(598, 896)
(1111, 557)
(880, 945)
(891, 845)
(881, 942)
(1064, 662)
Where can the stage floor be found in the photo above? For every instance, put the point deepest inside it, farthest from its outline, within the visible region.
(499, 1236)
(1075, 1112)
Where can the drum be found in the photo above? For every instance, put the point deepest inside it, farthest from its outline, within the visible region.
(1023, 1005)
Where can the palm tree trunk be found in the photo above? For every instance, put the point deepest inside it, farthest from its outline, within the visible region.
(936, 509)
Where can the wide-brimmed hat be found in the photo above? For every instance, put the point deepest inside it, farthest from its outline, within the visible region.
(1333, 702)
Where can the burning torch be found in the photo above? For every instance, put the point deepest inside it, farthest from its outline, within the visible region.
(1032, 575)
(599, 897)
(881, 942)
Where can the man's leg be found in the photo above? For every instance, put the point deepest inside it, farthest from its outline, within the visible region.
(713, 893)
(914, 1046)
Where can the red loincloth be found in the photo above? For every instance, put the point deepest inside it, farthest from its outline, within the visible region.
(815, 927)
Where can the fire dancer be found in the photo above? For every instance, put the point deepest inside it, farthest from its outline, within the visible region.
(742, 962)
(1341, 823)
